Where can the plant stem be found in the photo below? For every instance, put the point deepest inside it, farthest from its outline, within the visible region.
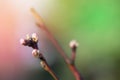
(75, 72)
(73, 56)
(41, 25)
(48, 69)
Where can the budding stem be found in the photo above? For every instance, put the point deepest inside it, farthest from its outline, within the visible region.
(32, 42)
(41, 25)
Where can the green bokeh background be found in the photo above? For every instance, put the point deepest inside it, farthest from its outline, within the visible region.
(95, 24)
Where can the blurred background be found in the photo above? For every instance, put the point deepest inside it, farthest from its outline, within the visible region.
(95, 24)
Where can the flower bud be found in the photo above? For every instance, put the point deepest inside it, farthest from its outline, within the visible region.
(22, 41)
(73, 44)
(27, 36)
(34, 37)
(35, 53)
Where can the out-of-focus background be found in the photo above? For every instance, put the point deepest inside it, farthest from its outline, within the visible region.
(95, 24)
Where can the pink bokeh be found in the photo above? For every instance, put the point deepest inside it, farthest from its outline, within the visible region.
(15, 22)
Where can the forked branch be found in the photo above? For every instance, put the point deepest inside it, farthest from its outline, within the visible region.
(69, 61)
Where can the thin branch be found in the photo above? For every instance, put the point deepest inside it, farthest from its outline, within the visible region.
(75, 72)
(41, 25)
(46, 67)
(55, 43)
(73, 57)
(73, 45)
(32, 42)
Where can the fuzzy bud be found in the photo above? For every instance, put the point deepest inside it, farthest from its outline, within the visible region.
(22, 41)
(35, 53)
(34, 37)
(73, 44)
(27, 36)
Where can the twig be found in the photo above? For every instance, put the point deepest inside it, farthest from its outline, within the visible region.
(41, 25)
(47, 68)
(32, 42)
(73, 45)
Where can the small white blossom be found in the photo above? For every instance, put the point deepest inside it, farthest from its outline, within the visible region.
(27, 36)
(35, 37)
(22, 41)
(73, 43)
(35, 52)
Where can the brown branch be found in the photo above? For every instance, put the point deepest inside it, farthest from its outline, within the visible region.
(75, 72)
(73, 56)
(41, 25)
(32, 42)
(73, 45)
(46, 67)
(55, 43)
